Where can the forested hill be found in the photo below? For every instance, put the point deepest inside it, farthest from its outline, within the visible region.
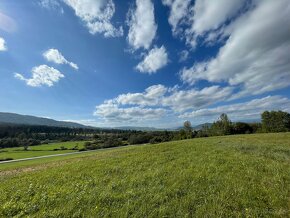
(13, 118)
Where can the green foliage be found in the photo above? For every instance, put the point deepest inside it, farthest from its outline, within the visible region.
(16, 135)
(139, 139)
(229, 176)
(109, 142)
(275, 121)
(242, 128)
(188, 130)
(222, 127)
(187, 126)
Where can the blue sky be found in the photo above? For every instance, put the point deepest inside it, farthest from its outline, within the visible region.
(143, 62)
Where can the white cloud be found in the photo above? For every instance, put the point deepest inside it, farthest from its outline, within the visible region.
(157, 102)
(97, 15)
(142, 26)
(42, 75)
(209, 15)
(179, 10)
(153, 61)
(55, 56)
(112, 113)
(182, 100)
(150, 97)
(255, 57)
(203, 19)
(3, 46)
(241, 111)
(183, 55)
(51, 4)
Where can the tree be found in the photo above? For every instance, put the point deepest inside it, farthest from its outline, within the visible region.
(222, 127)
(275, 121)
(188, 129)
(242, 128)
(187, 126)
(25, 145)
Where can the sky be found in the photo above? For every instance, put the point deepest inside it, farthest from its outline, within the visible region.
(153, 63)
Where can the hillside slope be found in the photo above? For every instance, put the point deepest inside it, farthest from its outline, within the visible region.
(32, 120)
(232, 176)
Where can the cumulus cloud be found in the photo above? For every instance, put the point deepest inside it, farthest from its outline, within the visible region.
(182, 100)
(97, 15)
(160, 101)
(41, 75)
(255, 57)
(3, 46)
(142, 26)
(209, 15)
(150, 97)
(55, 56)
(153, 61)
(112, 113)
(202, 19)
(241, 111)
(179, 10)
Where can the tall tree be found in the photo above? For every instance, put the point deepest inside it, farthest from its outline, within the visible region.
(275, 121)
(222, 127)
(188, 129)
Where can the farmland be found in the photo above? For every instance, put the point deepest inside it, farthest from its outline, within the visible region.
(40, 150)
(226, 176)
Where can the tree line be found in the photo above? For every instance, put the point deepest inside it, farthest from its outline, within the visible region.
(12, 135)
(24, 135)
(271, 121)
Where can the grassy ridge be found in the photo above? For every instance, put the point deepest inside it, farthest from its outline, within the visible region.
(39, 150)
(208, 177)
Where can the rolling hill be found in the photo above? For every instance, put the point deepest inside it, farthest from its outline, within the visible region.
(13, 118)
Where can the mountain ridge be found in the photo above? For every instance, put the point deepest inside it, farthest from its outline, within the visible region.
(14, 118)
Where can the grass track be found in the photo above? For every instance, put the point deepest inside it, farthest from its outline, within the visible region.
(233, 176)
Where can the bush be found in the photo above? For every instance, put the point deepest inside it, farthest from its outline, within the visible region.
(83, 149)
(112, 142)
(91, 146)
(242, 128)
(155, 140)
(139, 139)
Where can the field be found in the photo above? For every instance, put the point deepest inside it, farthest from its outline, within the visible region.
(40, 150)
(230, 176)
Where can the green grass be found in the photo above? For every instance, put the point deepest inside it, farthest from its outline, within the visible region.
(233, 176)
(39, 150)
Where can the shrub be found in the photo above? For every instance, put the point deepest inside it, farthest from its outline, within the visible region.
(112, 142)
(139, 139)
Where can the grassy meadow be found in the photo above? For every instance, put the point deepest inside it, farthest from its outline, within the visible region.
(228, 176)
(40, 150)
